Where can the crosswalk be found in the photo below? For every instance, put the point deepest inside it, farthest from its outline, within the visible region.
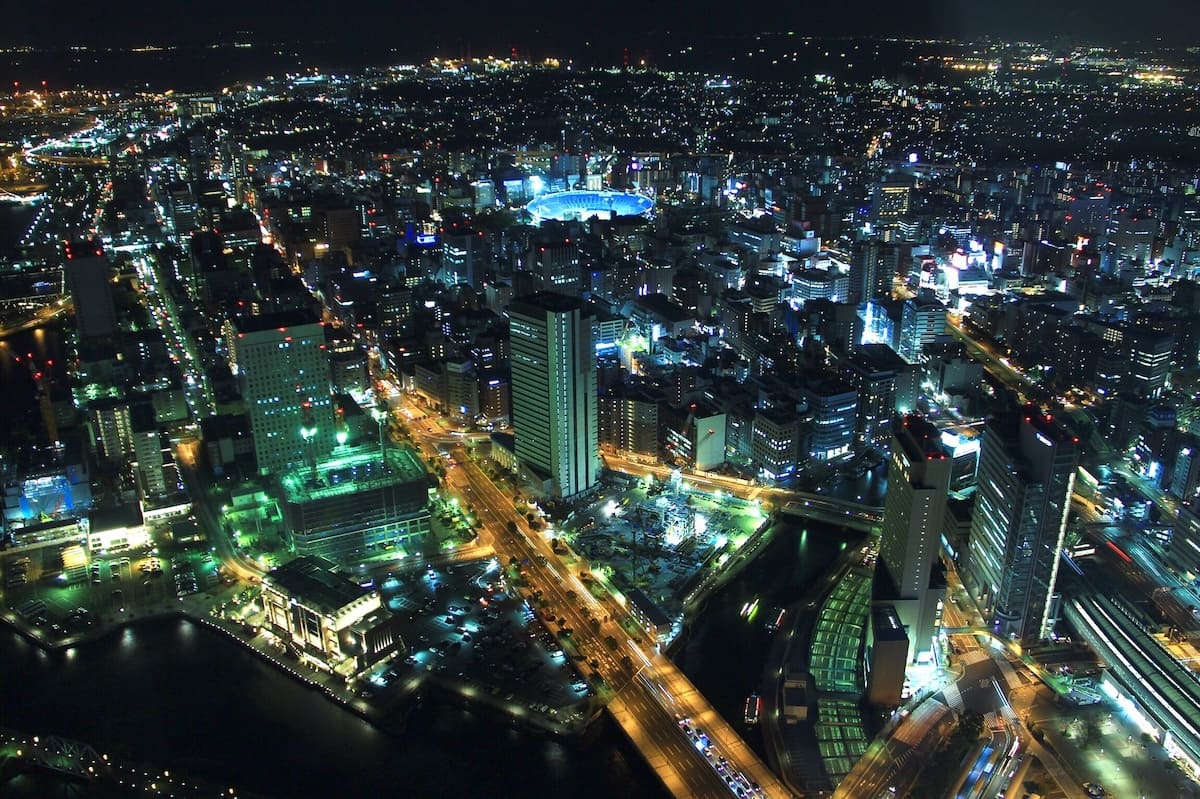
(974, 656)
(914, 729)
(953, 697)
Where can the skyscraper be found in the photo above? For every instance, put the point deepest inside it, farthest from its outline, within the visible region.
(88, 278)
(873, 266)
(921, 322)
(283, 367)
(554, 390)
(918, 481)
(1026, 473)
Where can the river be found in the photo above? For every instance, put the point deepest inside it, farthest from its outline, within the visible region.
(725, 651)
(14, 221)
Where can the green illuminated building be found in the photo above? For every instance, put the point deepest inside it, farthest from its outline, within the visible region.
(357, 503)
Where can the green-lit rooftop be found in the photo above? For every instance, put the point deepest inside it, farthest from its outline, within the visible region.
(350, 470)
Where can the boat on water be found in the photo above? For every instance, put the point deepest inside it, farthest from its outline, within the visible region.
(753, 708)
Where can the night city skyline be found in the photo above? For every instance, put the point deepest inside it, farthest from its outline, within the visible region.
(719, 402)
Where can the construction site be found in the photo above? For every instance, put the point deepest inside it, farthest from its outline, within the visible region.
(660, 537)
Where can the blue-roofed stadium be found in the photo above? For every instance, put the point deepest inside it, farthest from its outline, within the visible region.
(567, 205)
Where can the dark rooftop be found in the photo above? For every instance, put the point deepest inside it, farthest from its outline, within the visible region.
(269, 321)
(546, 301)
(315, 581)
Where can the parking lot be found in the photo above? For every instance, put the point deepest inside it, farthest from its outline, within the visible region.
(62, 591)
(466, 625)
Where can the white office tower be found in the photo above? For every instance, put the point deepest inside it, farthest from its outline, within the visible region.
(1026, 475)
(918, 481)
(554, 391)
(281, 362)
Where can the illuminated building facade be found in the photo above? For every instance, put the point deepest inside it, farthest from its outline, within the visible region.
(872, 371)
(775, 443)
(554, 401)
(283, 367)
(312, 606)
(921, 322)
(914, 509)
(1026, 473)
(833, 409)
(629, 420)
(356, 503)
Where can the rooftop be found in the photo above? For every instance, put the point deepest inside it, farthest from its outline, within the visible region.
(544, 301)
(353, 469)
(271, 321)
(920, 438)
(315, 581)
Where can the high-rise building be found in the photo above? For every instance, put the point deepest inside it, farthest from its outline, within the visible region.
(775, 442)
(921, 322)
(872, 371)
(629, 419)
(873, 266)
(556, 266)
(891, 200)
(88, 279)
(554, 391)
(1026, 472)
(147, 451)
(283, 367)
(1151, 358)
(832, 411)
(918, 482)
(109, 417)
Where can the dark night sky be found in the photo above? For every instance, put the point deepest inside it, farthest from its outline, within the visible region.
(540, 23)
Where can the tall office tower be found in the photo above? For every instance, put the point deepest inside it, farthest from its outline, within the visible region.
(1151, 360)
(281, 362)
(1026, 472)
(918, 481)
(891, 199)
(147, 451)
(554, 391)
(921, 322)
(88, 278)
(873, 265)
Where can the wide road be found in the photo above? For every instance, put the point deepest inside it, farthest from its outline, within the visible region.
(739, 487)
(649, 694)
(655, 730)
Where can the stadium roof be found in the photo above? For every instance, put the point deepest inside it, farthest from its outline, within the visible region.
(565, 205)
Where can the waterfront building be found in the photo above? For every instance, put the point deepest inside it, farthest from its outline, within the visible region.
(316, 609)
(88, 279)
